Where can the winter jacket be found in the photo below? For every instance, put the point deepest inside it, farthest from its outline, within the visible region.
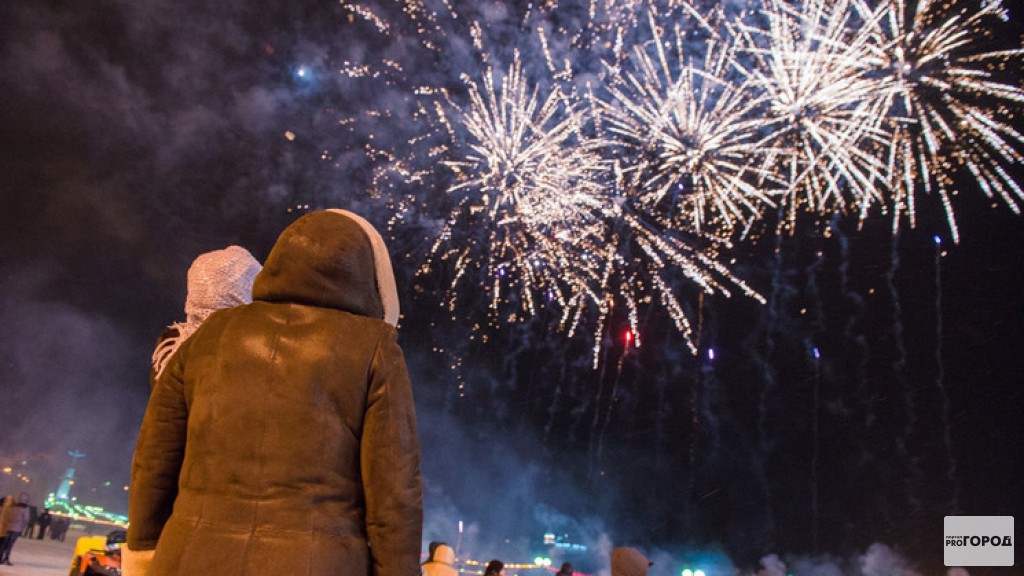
(281, 437)
(629, 562)
(14, 518)
(443, 563)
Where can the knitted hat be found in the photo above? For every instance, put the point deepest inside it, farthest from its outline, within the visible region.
(216, 280)
(219, 279)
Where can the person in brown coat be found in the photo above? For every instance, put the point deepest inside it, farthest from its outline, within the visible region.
(281, 437)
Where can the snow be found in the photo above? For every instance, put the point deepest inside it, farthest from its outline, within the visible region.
(31, 557)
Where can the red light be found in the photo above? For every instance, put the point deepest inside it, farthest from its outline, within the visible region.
(629, 337)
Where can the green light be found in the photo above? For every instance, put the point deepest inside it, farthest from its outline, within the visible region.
(687, 572)
(698, 573)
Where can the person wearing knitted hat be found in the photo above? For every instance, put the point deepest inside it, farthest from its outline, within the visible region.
(281, 437)
(216, 280)
(629, 562)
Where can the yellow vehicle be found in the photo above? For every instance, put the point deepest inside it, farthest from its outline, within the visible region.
(98, 555)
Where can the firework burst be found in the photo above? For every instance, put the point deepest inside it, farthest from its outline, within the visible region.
(609, 167)
(529, 178)
(689, 133)
(821, 120)
(947, 110)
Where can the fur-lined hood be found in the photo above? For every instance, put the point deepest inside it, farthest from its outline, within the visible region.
(331, 259)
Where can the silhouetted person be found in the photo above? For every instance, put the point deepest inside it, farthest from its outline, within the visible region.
(44, 522)
(495, 568)
(59, 528)
(33, 515)
(565, 570)
(281, 436)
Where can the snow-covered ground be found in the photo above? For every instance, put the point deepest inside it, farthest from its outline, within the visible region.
(32, 557)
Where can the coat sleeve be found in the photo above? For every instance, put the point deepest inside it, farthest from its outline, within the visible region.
(390, 461)
(158, 456)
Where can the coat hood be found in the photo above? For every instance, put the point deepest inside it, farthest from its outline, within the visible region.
(444, 554)
(442, 563)
(629, 562)
(331, 259)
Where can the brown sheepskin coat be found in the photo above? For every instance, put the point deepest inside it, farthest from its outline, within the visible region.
(281, 438)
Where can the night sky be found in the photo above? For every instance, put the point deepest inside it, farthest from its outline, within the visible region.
(878, 389)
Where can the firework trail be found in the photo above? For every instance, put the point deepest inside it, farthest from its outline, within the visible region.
(899, 365)
(940, 380)
(814, 456)
(855, 316)
(948, 108)
(599, 424)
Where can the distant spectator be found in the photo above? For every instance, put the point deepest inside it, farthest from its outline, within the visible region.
(3, 505)
(441, 561)
(13, 520)
(629, 562)
(431, 548)
(565, 570)
(495, 568)
(60, 528)
(33, 515)
(44, 522)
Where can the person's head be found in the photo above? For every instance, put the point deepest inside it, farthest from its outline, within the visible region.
(219, 279)
(629, 562)
(495, 567)
(115, 540)
(216, 280)
(443, 554)
(566, 568)
(331, 259)
(431, 548)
